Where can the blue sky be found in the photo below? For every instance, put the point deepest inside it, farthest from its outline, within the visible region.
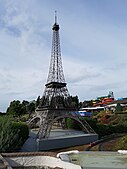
(93, 36)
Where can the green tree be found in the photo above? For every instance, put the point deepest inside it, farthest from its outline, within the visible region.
(25, 103)
(74, 101)
(15, 108)
(31, 107)
(87, 103)
(24, 106)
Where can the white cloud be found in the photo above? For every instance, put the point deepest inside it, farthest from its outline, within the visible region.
(93, 48)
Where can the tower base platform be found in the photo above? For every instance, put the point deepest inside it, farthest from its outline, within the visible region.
(69, 138)
(58, 139)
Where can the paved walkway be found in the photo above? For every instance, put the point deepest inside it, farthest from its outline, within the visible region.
(30, 145)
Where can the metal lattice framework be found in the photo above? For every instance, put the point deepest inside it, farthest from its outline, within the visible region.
(56, 93)
(56, 71)
(56, 102)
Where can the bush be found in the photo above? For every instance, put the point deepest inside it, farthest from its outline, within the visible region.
(104, 130)
(121, 144)
(12, 134)
(23, 130)
(92, 122)
(72, 124)
(76, 125)
(101, 129)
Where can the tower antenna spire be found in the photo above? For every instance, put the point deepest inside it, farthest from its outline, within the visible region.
(55, 16)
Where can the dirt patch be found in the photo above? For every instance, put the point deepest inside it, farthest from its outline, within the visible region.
(110, 145)
(52, 154)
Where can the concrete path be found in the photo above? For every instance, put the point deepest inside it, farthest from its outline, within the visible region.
(30, 145)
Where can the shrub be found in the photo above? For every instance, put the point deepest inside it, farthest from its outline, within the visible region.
(104, 129)
(23, 130)
(72, 124)
(121, 144)
(101, 129)
(12, 134)
(92, 122)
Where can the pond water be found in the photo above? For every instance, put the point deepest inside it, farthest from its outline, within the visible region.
(99, 160)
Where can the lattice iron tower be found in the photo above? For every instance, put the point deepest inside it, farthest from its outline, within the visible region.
(56, 89)
(56, 102)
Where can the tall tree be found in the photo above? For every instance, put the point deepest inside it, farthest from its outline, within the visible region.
(75, 101)
(31, 107)
(15, 108)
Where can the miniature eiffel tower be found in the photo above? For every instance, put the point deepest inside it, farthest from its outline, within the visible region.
(56, 103)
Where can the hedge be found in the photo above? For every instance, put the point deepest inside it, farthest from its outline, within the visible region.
(101, 129)
(12, 134)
